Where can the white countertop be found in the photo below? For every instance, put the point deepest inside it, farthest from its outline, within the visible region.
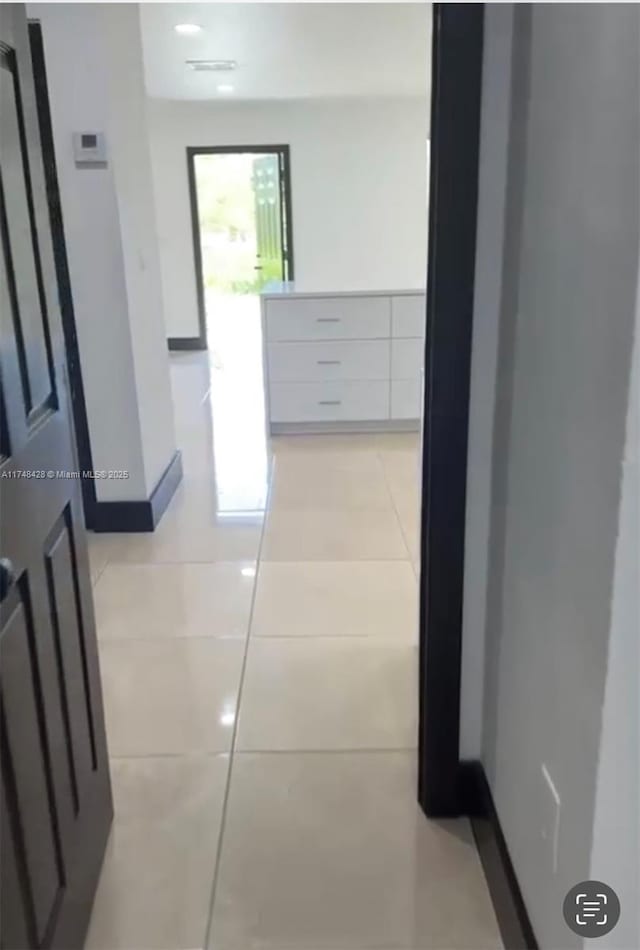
(292, 288)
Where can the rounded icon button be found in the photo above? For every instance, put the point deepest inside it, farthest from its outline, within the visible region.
(591, 909)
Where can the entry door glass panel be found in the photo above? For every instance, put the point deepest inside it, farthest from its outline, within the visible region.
(239, 203)
(266, 195)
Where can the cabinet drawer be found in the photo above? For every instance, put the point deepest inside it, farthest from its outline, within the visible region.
(340, 401)
(328, 318)
(408, 316)
(349, 359)
(406, 358)
(406, 398)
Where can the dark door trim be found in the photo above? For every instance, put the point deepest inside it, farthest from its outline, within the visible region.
(199, 342)
(74, 369)
(455, 127)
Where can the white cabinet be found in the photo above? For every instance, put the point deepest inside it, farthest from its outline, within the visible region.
(342, 361)
(405, 398)
(407, 357)
(339, 401)
(408, 316)
(328, 318)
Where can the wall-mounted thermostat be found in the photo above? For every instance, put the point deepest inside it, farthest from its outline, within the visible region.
(89, 148)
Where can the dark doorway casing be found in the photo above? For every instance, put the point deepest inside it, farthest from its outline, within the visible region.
(453, 197)
(447, 786)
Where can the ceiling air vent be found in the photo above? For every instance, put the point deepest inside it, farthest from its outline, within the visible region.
(211, 65)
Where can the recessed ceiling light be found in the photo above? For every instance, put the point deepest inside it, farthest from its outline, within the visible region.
(188, 29)
(224, 88)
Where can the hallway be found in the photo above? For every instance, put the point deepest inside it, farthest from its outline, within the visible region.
(259, 659)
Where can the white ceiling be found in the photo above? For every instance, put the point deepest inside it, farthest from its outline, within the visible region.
(289, 50)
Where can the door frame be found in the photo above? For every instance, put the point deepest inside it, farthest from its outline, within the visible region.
(67, 313)
(453, 196)
(286, 223)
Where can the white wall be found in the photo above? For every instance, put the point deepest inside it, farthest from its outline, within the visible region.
(358, 181)
(139, 232)
(92, 232)
(561, 687)
(494, 142)
(615, 853)
(93, 58)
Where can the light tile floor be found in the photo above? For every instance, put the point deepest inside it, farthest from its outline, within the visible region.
(259, 660)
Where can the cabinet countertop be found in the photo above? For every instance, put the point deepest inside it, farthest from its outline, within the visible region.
(278, 289)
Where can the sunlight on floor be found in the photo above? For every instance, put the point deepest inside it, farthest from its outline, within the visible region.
(236, 402)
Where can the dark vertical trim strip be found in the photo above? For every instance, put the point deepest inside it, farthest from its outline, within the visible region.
(62, 687)
(56, 220)
(36, 678)
(82, 645)
(511, 912)
(65, 524)
(286, 212)
(456, 100)
(200, 342)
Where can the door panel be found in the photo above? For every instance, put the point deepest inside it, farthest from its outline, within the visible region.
(13, 911)
(266, 194)
(67, 623)
(286, 231)
(19, 227)
(26, 759)
(56, 796)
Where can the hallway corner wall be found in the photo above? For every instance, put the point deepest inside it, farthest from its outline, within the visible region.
(562, 608)
(494, 141)
(110, 233)
(615, 857)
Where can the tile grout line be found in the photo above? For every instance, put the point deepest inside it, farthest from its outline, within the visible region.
(356, 750)
(396, 512)
(223, 820)
(383, 638)
(232, 748)
(353, 751)
(96, 578)
(272, 560)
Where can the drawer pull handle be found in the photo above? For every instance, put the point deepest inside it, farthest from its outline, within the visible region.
(330, 402)
(329, 362)
(327, 319)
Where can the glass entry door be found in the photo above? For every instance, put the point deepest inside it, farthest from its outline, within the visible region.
(241, 215)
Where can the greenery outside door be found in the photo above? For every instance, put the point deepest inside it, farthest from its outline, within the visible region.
(242, 224)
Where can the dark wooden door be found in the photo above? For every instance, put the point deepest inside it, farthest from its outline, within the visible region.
(56, 798)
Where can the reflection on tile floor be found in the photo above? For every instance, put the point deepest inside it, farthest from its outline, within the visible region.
(259, 660)
(330, 850)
